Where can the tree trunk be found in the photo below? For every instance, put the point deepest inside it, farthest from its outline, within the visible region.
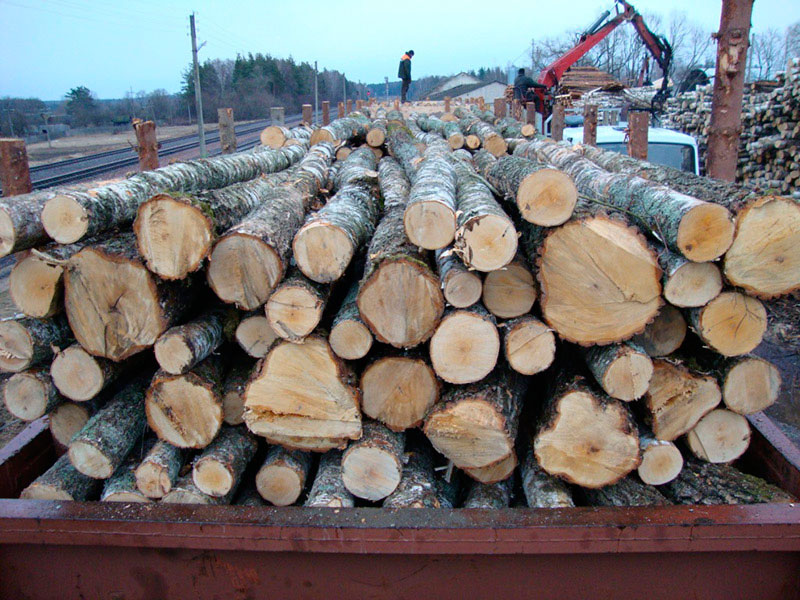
(585, 437)
(72, 215)
(276, 136)
(350, 338)
(511, 128)
(622, 370)
(485, 238)
(186, 410)
(295, 307)
(708, 483)
(600, 281)
(626, 492)
(749, 383)
(466, 345)
(665, 334)
(376, 135)
(529, 345)
(159, 470)
(328, 489)
(699, 230)
(510, 292)
(372, 466)
(488, 135)
(476, 426)
(62, 481)
(26, 343)
(67, 419)
(461, 287)
(353, 127)
(499, 471)
(255, 335)
(104, 442)
(398, 389)
(731, 324)
(175, 231)
(185, 492)
(302, 397)
(80, 376)
(330, 237)
(448, 130)
(417, 487)
(677, 399)
(233, 392)
(115, 306)
(402, 147)
(251, 257)
(543, 490)
(544, 196)
(31, 394)
(661, 460)
(282, 478)
(686, 283)
(399, 297)
(721, 436)
(488, 495)
(181, 348)
(218, 470)
(430, 215)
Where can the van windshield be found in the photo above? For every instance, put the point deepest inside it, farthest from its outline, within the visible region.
(677, 156)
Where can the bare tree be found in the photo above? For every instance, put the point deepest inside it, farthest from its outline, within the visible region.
(768, 52)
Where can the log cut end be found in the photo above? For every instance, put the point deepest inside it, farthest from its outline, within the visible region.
(430, 224)
(16, 347)
(627, 377)
(27, 395)
(64, 219)
(153, 479)
(371, 473)
(90, 460)
(462, 288)
(173, 236)
(589, 442)
(243, 270)
(495, 144)
(547, 197)
(705, 232)
(693, 284)
(66, 420)
(661, 463)
(664, 334)
(732, 323)
(350, 339)
(280, 485)
(456, 141)
(273, 137)
(36, 286)
(472, 141)
(509, 292)
(600, 281)
(294, 311)
(321, 135)
(376, 137)
(183, 410)
(398, 391)
(763, 258)
(213, 478)
(721, 436)
(530, 345)
(465, 347)
(499, 471)
(77, 374)
(401, 303)
(255, 335)
(8, 233)
(322, 251)
(751, 385)
(488, 243)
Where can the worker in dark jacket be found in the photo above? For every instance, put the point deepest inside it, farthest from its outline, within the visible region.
(523, 85)
(404, 73)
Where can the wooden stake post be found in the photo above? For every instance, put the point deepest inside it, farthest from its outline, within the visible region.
(340, 110)
(638, 122)
(530, 113)
(146, 144)
(326, 112)
(14, 173)
(227, 133)
(557, 123)
(589, 124)
(348, 107)
(447, 104)
(499, 107)
(308, 114)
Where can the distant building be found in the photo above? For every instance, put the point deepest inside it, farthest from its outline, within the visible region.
(454, 82)
(489, 90)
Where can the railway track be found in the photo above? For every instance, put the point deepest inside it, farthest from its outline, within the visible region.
(114, 160)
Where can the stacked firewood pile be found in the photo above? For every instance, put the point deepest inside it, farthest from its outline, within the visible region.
(413, 323)
(769, 152)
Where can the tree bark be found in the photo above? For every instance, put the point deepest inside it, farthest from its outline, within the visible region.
(218, 470)
(328, 489)
(622, 370)
(466, 345)
(282, 478)
(447, 129)
(296, 305)
(186, 410)
(121, 486)
(104, 442)
(350, 338)
(26, 343)
(721, 436)
(488, 495)
(430, 214)
(731, 324)
(353, 127)
(626, 492)
(543, 490)
(373, 465)
(302, 396)
(115, 306)
(159, 470)
(417, 487)
(276, 136)
(233, 392)
(31, 394)
(185, 492)
(529, 345)
(80, 376)
(476, 426)
(585, 437)
(488, 135)
(511, 128)
(62, 481)
(402, 147)
(460, 286)
(179, 349)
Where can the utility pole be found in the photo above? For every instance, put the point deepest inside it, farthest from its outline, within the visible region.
(316, 95)
(386, 80)
(344, 88)
(533, 66)
(198, 96)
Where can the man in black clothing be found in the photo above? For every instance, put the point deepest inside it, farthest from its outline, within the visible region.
(404, 73)
(523, 85)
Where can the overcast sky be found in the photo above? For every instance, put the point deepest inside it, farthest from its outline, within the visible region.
(113, 47)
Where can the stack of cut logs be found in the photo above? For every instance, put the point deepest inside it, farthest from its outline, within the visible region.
(769, 152)
(396, 310)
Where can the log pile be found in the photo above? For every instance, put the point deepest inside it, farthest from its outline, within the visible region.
(398, 309)
(769, 151)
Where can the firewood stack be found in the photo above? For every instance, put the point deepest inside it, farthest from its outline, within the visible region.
(406, 330)
(769, 152)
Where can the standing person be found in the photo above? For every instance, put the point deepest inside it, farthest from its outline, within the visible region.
(524, 89)
(404, 73)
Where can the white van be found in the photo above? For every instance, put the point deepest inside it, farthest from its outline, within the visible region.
(664, 146)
